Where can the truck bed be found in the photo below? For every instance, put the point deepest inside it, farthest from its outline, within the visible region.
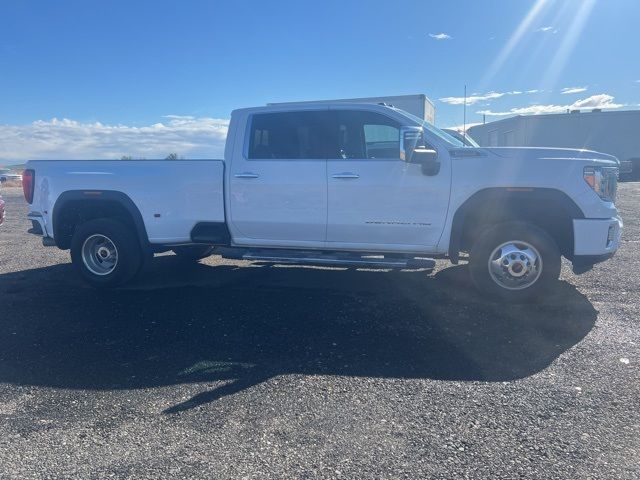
(171, 195)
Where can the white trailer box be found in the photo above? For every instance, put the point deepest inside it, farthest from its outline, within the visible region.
(418, 105)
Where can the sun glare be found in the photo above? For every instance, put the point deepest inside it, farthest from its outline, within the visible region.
(575, 23)
(569, 20)
(524, 27)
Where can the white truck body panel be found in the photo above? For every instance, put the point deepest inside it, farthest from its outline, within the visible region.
(287, 204)
(172, 195)
(391, 205)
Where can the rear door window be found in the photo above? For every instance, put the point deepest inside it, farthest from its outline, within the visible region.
(289, 135)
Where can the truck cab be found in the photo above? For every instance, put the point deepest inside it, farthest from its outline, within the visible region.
(334, 177)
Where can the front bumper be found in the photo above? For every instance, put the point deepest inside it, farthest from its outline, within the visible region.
(595, 240)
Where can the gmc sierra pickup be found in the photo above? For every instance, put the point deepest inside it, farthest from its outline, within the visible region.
(337, 184)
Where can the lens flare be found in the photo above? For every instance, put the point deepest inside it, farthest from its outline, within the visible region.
(524, 27)
(569, 40)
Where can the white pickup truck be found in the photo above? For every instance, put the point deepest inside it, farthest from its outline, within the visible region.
(337, 184)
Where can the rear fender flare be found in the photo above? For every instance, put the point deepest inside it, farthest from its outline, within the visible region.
(95, 197)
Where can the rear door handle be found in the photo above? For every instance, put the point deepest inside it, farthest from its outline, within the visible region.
(345, 175)
(246, 175)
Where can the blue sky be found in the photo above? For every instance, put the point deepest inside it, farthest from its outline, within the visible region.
(147, 77)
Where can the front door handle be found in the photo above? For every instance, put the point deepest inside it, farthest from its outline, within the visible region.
(247, 175)
(346, 175)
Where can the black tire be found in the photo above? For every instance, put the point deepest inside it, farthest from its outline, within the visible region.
(517, 288)
(146, 260)
(128, 253)
(193, 253)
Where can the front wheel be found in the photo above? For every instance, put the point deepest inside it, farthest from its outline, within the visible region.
(514, 261)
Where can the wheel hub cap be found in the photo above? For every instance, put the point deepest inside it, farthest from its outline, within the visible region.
(515, 265)
(99, 254)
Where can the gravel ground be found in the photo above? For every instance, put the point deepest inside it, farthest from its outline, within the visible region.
(234, 370)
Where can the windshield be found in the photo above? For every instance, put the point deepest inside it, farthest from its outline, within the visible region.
(433, 129)
(466, 139)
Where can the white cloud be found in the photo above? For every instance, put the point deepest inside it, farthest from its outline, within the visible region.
(472, 99)
(440, 36)
(187, 136)
(547, 29)
(569, 90)
(597, 101)
(477, 97)
(603, 101)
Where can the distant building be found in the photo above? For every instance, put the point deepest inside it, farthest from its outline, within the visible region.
(418, 104)
(615, 133)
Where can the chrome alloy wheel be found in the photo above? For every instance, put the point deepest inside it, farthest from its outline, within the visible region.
(515, 265)
(99, 254)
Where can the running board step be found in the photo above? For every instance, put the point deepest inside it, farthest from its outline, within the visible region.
(341, 260)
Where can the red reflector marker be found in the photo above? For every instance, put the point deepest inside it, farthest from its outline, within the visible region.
(28, 184)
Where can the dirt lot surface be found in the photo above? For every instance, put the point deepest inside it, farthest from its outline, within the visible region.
(233, 370)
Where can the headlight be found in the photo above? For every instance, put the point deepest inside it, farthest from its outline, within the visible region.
(603, 181)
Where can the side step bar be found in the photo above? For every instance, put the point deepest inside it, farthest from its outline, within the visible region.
(335, 259)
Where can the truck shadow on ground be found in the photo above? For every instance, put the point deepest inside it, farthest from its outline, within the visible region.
(238, 326)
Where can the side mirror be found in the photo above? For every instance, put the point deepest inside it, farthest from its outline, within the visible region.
(412, 150)
(409, 137)
(428, 158)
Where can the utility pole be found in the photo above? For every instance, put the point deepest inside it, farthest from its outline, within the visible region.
(464, 123)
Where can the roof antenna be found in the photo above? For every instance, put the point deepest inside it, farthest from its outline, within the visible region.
(464, 125)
